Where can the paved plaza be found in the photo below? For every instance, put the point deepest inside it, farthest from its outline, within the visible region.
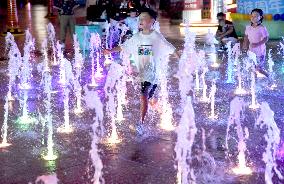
(132, 161)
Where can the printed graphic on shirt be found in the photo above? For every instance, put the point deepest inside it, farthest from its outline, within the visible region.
(145, 50)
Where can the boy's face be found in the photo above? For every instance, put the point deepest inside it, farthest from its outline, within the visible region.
(132, 14)
(221, 19)
(222, 23)
(255, 17)
(145, 21)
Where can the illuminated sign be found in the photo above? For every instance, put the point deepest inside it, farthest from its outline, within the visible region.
(268, 6)
(192, 4)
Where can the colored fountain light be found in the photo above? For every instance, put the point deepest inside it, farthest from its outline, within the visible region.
(46, 81)
(113, 138)
(186, 131)
(66, 128)
(254, 105)
(50, 156)
(78, 65)
(94, 46)
(211, 41)
(236, 52)
(204, 97)
(25, 118)
(95, 156)
(4, 128)
(4, 144)
(230, 67)
(10, 97)
(62, 77)
(236, 108)
(78, 109)
(121, 98)
(242, 170)
(25, 71)
(51, 41)
(45, 55)
(78, 57)
(112, 87)
(69, 78)
(167, 125)
(99, 69)
(240, 90)
(78, 94)
(167, 112)
(272, 138)
(213, 59)
(93, 101)
(213, 115)
(271, 71)
(13, 70)
(14, 64)
(201, 62)
(197, 83)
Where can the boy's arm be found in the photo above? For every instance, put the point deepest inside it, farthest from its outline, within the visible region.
(109, 51)
(231, 29)
(218, 33)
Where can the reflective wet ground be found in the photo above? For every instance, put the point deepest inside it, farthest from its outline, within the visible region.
(150, 161)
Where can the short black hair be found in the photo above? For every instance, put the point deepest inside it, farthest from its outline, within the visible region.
(132, 10)
(259, 11)
(221, 14)
(150, 11)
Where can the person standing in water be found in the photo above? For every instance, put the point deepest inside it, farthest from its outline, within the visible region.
(66, 18)
(148, 47)
(256, 36)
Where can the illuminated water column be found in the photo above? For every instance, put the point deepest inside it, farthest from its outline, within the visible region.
(12, 19)
(192, 10)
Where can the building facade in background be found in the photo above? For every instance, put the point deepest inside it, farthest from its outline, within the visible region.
(197, 10)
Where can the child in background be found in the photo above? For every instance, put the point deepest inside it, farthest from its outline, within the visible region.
(225, 32)
(132, 21)
(148, 48)
(256, 36)
(67, 20)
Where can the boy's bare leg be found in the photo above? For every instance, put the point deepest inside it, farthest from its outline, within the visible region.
(144, 106)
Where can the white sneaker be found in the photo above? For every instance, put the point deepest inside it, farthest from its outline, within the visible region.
(63, 46)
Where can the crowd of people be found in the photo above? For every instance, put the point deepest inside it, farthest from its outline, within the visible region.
(124, 12)
(108, 9)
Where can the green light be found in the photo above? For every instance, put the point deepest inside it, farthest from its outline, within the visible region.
(50, 166)
(24, 122)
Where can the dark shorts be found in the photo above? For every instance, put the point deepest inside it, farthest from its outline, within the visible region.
(148, 89)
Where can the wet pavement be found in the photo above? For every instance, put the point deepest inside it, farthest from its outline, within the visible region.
(150, 161)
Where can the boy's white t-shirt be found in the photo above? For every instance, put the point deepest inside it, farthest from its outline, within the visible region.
(255, 35)
(148, 50)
